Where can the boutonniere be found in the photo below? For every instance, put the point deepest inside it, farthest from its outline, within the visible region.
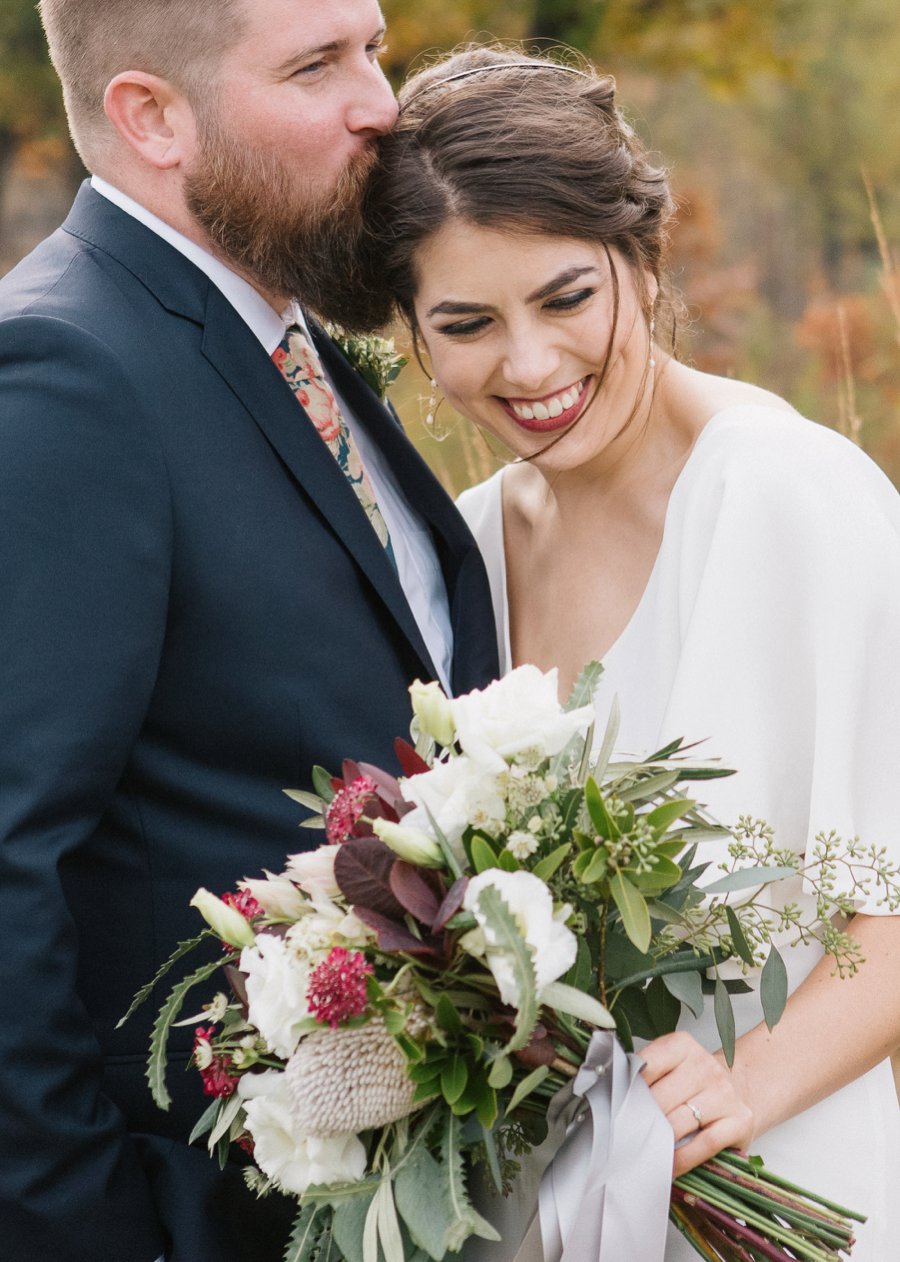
(374, 358)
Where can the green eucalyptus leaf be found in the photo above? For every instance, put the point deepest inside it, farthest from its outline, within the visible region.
(206, 1121)
(633, 910)
(664, 1007)
(322, 784)
(738, 938)
(310, 800)
(600, 817)
(483, 854)
(773, 988)
(546, 867)
(601, 762)
(526, 1086)
(746, 878)
(667, 813)
(447, 1016)
(576, 1003)
(649, 787)
(596, 867)
(724, 1020)
(687, 989)
(425, 1212)
(501, 1073)
(454, 1077)
(349, 1222)
(664, 875)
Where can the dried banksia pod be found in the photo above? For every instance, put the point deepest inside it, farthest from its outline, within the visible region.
(348, 1080)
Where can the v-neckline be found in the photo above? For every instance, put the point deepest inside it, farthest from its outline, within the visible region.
(506, 663)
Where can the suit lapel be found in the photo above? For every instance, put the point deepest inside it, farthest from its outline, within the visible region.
(475, 660)
(237, 356)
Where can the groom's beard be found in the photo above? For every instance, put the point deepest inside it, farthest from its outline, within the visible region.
(277, 229)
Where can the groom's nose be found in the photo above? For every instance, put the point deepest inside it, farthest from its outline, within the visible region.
(374, 107)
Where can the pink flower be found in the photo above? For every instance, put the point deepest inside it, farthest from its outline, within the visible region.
(346, 807)
(214, 1066)
(244, 902)
(337, 986)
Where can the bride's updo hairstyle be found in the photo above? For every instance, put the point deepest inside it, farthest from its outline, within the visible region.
(505, 140)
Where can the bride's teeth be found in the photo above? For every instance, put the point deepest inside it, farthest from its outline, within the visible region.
(524, 412)
(541, 412)
(555, 407)
(568, 399)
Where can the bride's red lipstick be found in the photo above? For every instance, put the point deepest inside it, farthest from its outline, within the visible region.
(553, 423)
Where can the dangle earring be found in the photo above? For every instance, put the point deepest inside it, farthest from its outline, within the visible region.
(432, 405)
(652, 335)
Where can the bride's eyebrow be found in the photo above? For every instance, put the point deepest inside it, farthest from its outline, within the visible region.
(564, 278)
(558, 282)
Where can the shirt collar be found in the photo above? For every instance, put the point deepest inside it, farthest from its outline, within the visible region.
(265, 323)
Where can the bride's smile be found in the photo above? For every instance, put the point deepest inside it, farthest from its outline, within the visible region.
(534, 338)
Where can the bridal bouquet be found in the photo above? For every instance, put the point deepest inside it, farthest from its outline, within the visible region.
(463, 967)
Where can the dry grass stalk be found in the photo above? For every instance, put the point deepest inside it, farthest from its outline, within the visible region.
(848, 417)
(890, 277)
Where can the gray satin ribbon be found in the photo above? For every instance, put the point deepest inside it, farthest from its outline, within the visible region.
(605, 1195)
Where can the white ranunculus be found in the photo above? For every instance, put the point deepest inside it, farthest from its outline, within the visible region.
(294, 1161)
(517, 714)
(313, 870)
(277, 896)
(277, 977)
(529, 901)
(457, 792)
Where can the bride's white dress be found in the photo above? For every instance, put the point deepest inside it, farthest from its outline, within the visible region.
(770, 630)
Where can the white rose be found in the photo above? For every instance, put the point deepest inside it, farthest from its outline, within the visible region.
(277, 896)
(313, 871)
(277, 977)
(530, 903)
(518, 714)
(294, 1161)
(456, 793)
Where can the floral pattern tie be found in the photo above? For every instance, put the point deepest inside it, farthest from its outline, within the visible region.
(299, 364)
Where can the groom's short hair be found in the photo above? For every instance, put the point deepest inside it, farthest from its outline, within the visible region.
(91, 41)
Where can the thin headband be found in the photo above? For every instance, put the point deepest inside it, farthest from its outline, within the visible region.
(498, 65)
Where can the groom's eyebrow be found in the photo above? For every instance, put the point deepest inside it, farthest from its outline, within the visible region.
(316, 50)
(558, 282)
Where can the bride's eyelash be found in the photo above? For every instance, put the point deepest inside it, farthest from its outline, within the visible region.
(465, 328)
(568, 302)
(564, 302)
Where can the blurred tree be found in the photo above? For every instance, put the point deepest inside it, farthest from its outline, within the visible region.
(31, 108)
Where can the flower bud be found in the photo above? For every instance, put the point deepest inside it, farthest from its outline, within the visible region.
(226, 922)
(410, 844)
(433, 710)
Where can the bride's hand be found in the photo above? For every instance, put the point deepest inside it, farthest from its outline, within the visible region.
(697, 1093)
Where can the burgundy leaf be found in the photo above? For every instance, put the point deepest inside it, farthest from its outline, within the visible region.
(392, 936)
(415, 894)
(411, 763)
(238, 986)
(387, 785)
(350, 770)
(451, 904)
(362, 869)
(541, 1050)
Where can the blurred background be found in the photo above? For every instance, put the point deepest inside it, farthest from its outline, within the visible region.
(778, 119)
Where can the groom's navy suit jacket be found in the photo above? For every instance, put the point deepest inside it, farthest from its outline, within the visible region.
(194, 611)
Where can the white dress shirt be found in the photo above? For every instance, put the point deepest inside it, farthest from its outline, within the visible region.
(417, 563)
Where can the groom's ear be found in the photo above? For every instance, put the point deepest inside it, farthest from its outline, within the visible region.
(153, 117)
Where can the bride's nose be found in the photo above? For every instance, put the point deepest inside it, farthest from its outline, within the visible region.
(529, 362)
